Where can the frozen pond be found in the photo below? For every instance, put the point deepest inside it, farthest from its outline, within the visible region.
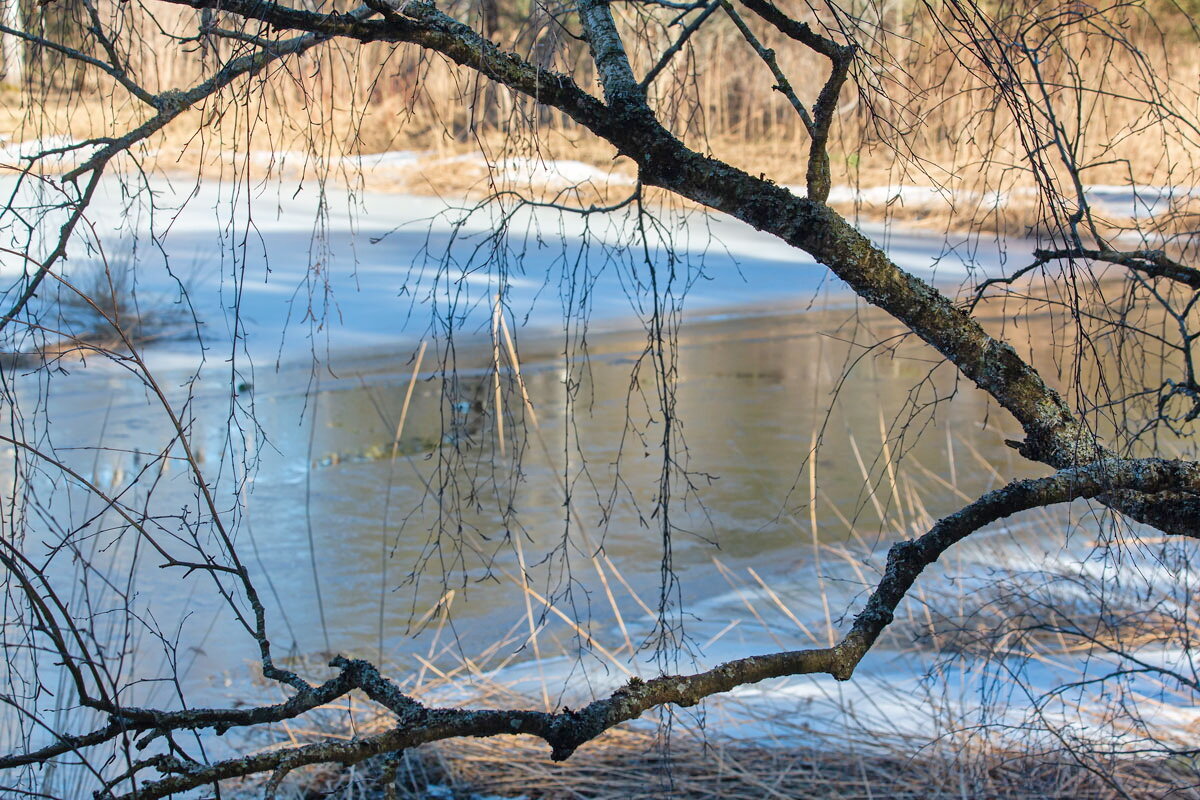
(479, 532)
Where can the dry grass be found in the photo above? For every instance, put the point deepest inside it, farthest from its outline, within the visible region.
(932, 120)
(958, 756)
(633, 764)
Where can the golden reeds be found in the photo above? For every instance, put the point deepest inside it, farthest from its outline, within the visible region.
(931, 119)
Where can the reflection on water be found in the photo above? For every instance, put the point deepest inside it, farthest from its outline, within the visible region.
(449, 518)
(473, 528)
(356, 527)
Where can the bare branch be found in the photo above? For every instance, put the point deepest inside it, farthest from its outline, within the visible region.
(678, 44)
(800, 31)
(113, 70)
(1153, 263)
(423, 24)
(621, 89)
(841, 57)
(768, 57)
(567, 730)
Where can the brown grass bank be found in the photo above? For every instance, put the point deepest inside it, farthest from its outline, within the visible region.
(633, 764)
(1115, 86)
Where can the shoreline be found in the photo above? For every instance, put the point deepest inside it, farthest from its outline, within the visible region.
(699, 759)
(436, 268)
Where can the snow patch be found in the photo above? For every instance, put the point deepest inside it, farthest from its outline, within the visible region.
(565, 173)
(60, 152)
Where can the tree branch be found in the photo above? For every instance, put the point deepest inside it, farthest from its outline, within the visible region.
(800, 31)
(767, 55)
(1053, 434)
(840, 57)
(566, 730)
(621, 90)
(684, 35)
(1153, 263)
(421, 23)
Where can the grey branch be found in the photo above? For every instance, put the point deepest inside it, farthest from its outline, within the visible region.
(1153, 263)
(1054, 435)
(566, 730)
(674, 49)
(782, 85)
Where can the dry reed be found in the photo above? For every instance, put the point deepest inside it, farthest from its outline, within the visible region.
(631, 764)
(923, 113)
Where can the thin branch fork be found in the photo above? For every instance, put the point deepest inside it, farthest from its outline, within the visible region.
(782, 85)
(800, 31)
(840, 56)
(566, 730)
(1154, 263)
(115, 70)
(674, 49)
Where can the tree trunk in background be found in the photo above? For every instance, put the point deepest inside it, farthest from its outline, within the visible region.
(13, 49)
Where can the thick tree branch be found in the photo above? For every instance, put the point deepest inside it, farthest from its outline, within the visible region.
(621, 89)
(422, 24)
(139, 720)
(567, 730)
(1053, 434)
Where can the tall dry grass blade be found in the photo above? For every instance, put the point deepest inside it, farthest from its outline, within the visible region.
(782, 607)
(716, 637)
(983, 461)
(496, 316)
(633, 594)
(445, 599)
(573, 625)
(729, 577)
(530, 620)
(886, 449)
(516, 365)
(387, 499)
(854, 562)
(816, 543)
(950, 485)
(408, 394)
(951, 465)
(443, 618)
(616, 609)
(866, 476)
